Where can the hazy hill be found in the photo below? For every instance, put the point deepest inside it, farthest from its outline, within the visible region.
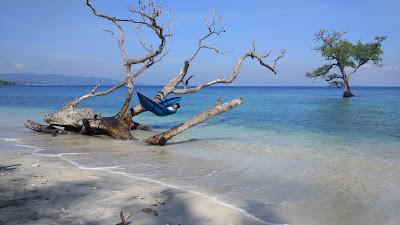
(54, 79)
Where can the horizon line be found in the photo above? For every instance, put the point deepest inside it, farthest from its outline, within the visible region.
(220, 86)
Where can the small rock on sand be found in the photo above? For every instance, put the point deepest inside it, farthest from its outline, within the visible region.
(160, 200)
(150, 211)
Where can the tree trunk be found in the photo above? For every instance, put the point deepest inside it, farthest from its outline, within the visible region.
(84, 121)
(217, 108)
(122, 113)
(346, 88)
(115, 129)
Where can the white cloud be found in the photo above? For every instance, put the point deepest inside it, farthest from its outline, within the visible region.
(19, 66)
(385, 68)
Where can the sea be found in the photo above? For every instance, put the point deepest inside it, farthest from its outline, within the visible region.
(287, 155)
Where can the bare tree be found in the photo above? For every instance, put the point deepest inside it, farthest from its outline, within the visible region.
(147, 14)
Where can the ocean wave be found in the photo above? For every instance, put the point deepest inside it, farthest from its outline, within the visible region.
(9, 139)
(25, 146)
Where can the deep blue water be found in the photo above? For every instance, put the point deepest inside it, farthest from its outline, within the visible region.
(302, 155)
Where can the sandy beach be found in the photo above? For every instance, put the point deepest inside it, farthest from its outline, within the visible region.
(47, 190)
(155, 112)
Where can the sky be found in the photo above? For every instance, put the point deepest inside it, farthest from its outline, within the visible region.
(64, 37)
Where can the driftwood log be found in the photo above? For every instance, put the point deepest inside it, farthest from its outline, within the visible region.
(48, 129)
(146, 15)
(217, 108)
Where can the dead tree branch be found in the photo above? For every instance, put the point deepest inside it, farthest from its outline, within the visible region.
(212, 30)
(250, 54)
(86, 121)
(217, 108)
(171, 86)
(146, 15)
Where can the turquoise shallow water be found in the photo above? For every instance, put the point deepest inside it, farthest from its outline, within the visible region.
(299, 155)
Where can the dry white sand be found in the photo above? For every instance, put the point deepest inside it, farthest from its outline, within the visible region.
(45, 190)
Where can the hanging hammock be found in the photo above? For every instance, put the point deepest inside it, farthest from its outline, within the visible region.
(159, 109)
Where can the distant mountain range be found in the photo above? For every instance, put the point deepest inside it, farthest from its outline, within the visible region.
(52, 79)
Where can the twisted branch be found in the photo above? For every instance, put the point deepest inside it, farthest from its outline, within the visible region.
(171, 86)
(250, 54)
(148, 16)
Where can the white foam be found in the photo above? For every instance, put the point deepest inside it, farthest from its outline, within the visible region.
(36, 152)
(25, 146)
(62, 156)
(212, 198)
(9, 139)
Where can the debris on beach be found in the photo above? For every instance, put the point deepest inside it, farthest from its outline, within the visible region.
(160, 200)
(9, 167)
(150, 211)
(124, 219)
(96, 188)
(36, 165)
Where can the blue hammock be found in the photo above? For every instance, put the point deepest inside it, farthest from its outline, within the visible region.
(159, 109)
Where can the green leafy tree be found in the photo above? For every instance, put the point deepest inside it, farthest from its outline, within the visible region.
(344, 57)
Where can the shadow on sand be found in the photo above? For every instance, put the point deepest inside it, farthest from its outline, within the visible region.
(90, 202)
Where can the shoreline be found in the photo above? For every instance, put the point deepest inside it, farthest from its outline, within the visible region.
(41, 178)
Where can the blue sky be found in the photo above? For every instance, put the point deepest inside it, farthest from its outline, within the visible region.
(63, 37)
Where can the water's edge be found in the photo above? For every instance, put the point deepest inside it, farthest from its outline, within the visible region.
(36, 151)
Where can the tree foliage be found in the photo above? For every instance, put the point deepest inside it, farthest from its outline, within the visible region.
(344, 55)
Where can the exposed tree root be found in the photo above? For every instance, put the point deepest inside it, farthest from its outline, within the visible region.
(45, 128)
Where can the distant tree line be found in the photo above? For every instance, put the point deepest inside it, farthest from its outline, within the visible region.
(7, 82)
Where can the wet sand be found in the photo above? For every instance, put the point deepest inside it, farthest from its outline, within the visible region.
(47, 190)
